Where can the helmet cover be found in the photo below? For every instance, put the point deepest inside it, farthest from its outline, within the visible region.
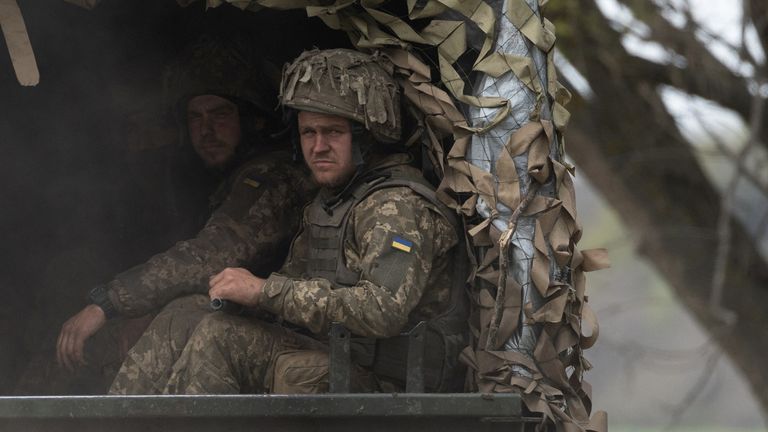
(346, 83)
(224, 67)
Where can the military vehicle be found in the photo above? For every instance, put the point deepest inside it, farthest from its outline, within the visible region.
(93, 186)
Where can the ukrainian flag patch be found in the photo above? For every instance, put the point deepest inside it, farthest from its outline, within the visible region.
(402, 244)
(252, 182)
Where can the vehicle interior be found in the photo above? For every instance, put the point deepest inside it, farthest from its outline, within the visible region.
(94, 174)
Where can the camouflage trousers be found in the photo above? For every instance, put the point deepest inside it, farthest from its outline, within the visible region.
(230, 354)
(189, 350)
(148, 364)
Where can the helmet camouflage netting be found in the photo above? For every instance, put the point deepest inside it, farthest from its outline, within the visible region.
(346, 83)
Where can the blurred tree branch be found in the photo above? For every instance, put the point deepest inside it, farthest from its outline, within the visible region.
(628, 144)
(704, 74)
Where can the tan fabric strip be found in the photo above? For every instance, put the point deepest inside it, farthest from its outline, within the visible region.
(430, 9)
(19, 46)
(90, 4)
(595, 259)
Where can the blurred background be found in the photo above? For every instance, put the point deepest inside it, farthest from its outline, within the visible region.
(667, 131)
(668, 136)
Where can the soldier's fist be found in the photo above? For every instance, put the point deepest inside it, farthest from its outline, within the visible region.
(237, 285)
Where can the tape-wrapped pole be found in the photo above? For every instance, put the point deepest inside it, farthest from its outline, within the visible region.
(517, 241)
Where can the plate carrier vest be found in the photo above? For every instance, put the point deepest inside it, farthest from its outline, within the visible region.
(447, 333)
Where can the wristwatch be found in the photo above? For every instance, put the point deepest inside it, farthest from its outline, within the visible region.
(99, 297)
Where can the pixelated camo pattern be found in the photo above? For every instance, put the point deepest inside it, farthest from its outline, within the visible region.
(395, 287)
(254, 223)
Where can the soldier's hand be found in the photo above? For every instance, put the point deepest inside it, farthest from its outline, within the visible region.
(74, 333)
(237, 285)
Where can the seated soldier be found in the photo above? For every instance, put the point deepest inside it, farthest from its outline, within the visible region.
(223, 99)
(375, 251)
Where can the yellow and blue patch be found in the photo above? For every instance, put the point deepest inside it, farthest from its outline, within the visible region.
(402, 244)
(252, 182)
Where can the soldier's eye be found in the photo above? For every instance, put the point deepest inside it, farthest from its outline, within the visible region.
(222, 113)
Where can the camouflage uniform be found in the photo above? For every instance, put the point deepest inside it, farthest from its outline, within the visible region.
(250, 229)
(395, 288)
(147, 366)
(376, 255)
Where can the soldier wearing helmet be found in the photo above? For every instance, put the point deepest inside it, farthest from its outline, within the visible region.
(376, 251)
(211, 80)
(223, 100)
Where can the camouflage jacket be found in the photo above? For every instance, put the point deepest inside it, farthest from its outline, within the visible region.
(396, 286)
(251, 228)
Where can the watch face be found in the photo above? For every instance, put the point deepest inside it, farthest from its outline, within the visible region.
(97, 295)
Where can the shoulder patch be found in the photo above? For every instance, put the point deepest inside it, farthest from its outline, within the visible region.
(252, 182)
(402, 244)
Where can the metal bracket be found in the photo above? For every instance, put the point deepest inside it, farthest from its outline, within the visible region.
(414, 380)
(339, 368)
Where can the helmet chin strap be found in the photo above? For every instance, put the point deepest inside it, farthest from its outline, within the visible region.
(357, 155)
(358, 136)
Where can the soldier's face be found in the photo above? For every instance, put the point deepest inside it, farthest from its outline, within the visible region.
(326, 143)
(214, 128)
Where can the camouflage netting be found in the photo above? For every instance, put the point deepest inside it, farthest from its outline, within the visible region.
(498, 100)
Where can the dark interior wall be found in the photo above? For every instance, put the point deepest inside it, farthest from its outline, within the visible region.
(88, 179)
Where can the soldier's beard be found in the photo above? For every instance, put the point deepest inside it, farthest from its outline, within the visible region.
(215, 153)
(331, 181)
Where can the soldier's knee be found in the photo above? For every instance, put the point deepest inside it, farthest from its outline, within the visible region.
(307, 371)
(195, 305)
(213, 324)
(219, 328)
(193, 301)
(300, 372)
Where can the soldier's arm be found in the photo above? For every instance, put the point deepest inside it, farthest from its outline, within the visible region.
(397, 237)
(252, 225)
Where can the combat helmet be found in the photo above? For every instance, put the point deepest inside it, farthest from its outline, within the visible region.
(346, 83)
(227, 67)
